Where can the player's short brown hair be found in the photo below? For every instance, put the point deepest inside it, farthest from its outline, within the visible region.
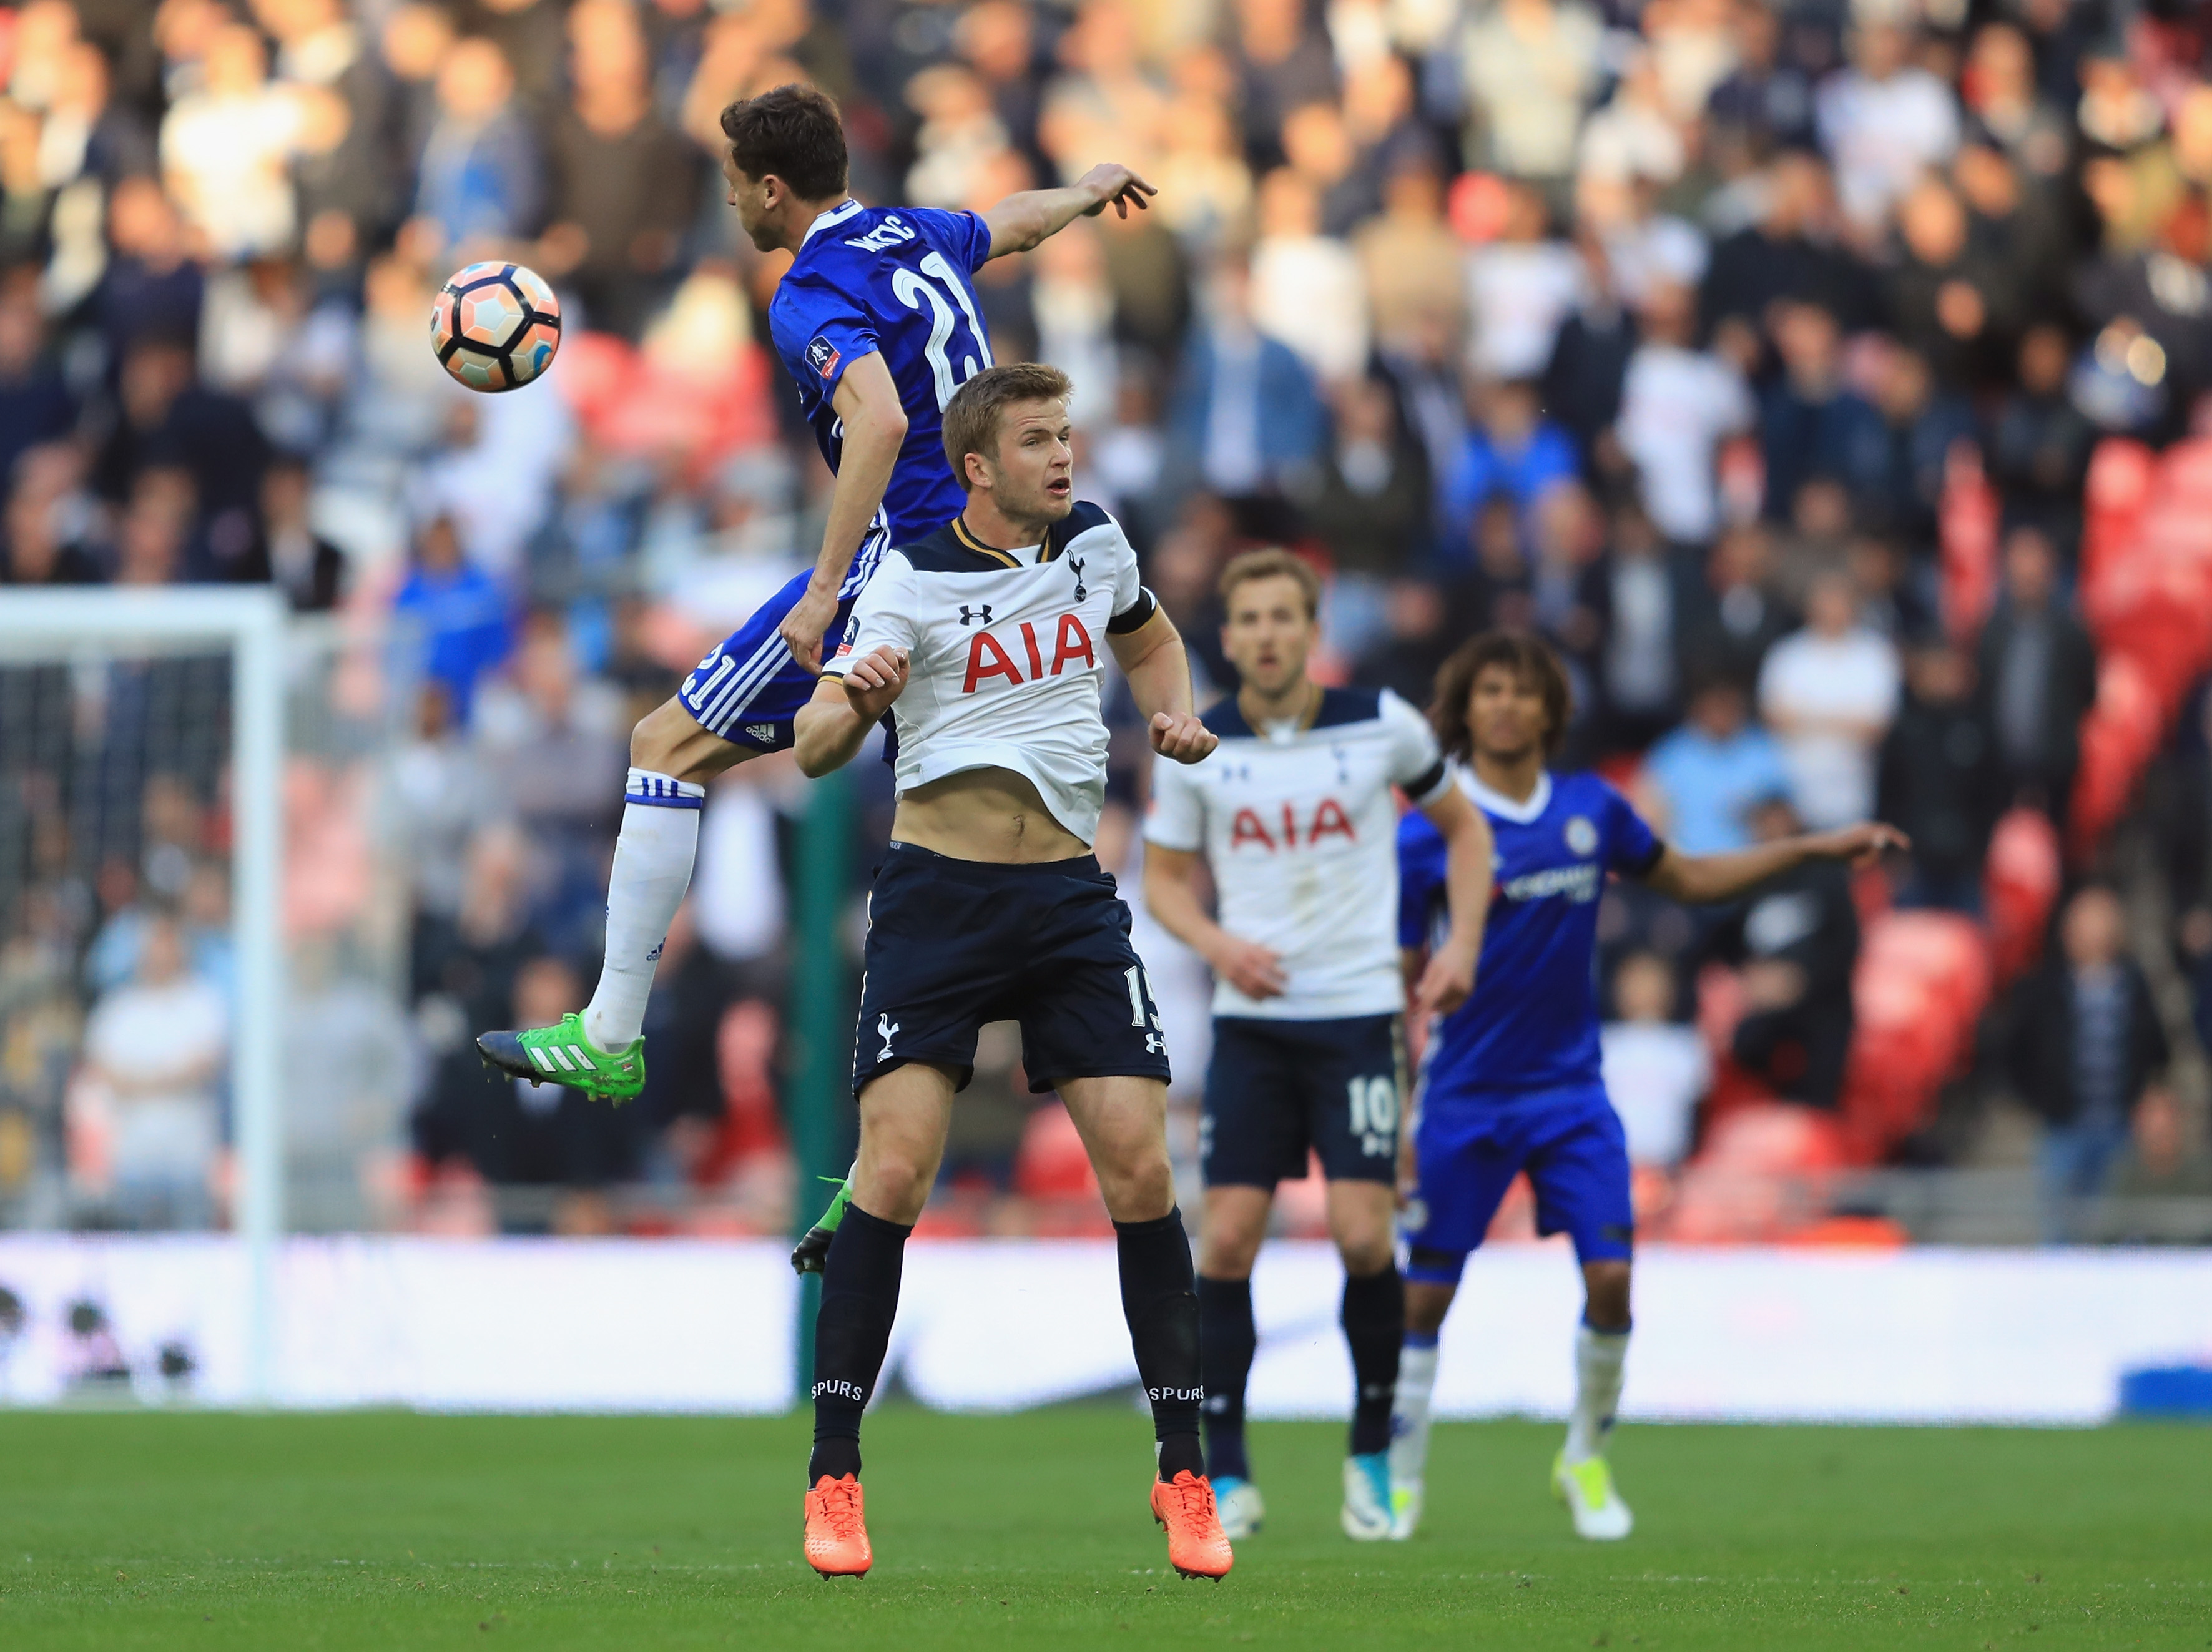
(792, 131)
(972, 416)
(1271, 564)
(1527, 657)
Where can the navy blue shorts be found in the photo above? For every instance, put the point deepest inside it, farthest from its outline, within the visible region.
(1468, 1152)
(955, 943)
(749, 689)
(1277, 1089)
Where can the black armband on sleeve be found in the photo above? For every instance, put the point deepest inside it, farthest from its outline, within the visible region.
(1643, 868)
(1134, 615)
(1429, 780)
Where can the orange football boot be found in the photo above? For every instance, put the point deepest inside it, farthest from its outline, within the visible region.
(837, 1531)
(1197, 1546)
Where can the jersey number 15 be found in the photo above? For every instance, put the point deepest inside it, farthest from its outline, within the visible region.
(913, 292)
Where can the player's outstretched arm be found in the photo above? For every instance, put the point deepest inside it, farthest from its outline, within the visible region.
(1469, 853)
(867, 400)
(1695, 878)
(1020, 221)
(1172, 896)
(1151, 656)
(831, 727)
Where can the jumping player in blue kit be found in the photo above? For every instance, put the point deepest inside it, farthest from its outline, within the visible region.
(1510, 1080)
(876, 323)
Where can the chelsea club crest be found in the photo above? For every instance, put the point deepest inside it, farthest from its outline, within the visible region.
(1582, 836)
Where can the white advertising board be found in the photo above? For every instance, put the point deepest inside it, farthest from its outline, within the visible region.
(1993, 1336)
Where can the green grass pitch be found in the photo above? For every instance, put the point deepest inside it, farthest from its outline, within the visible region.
(383, 1531)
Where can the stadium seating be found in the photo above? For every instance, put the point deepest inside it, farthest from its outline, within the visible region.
(1922, 982)
(2113, 496)
(1966, 531)
(2119, 737)
(654, 403)
(1051, 1162)
(1762, 1173)
(2146, 590)
(1923, 979)
(2020, 886)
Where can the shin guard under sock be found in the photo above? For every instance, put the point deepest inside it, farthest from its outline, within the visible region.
(1409, 1423)
(1228, 1341)
(653, 868)
(852, 1329)
(1375, 1325)
(1160, 1299)
(1599, 1357)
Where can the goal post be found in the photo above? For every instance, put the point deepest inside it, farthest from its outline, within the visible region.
(250, 622)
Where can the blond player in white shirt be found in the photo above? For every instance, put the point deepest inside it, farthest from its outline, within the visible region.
(984, 640)
(1296, 815)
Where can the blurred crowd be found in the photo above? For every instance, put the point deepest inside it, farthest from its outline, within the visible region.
(1685, 333)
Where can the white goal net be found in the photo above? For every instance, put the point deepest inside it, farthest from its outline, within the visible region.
(165, 973)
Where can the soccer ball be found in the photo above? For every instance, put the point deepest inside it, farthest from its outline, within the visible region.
(495, 326)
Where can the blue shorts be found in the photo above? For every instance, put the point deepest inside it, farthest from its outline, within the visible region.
(749, 689)
(1277, 1089)
(955, 943)
(1468, 1152)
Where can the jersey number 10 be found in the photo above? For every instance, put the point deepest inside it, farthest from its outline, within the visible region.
(913, 292)
(1374, 1113)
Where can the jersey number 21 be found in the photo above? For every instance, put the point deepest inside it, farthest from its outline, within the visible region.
(913, 292)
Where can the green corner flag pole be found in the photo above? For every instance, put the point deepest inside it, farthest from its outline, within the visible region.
(820, 1024)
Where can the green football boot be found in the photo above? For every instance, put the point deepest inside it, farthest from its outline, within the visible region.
(812, 1252)
(561, 1054)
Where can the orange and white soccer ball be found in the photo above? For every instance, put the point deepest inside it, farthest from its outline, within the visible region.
(495, 326)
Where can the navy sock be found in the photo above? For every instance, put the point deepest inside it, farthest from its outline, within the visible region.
(1160, 1302)
(1226, 1333)
(1375, 1325)
(852, 1329)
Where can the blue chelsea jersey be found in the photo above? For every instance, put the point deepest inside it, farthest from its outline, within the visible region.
(893, 281)
(1532, 1023)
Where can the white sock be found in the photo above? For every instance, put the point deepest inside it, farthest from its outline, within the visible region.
(1409, 1414)
(653, 868)
(1599, 1356)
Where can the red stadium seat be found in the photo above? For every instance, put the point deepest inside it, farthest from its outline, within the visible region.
(2155, 609)
(1763, 1172)
(2114, 494)
(1777, 1138)
(595, 368)
(1923, 980)
(2185, 471)
(1966, 530)
(2020, 886)
(1051, 1162)
(2119, 738)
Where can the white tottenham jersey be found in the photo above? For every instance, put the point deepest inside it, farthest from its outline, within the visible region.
(1301, 830)
(1004, 652)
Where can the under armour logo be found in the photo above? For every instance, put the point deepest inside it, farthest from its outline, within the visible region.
(969, 615)
(1076, 563)
(1154, 1044)
(884, 1028)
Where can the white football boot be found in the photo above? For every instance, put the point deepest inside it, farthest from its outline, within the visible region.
(1240, 1506)
(1367, 1496)
(1586, 1488)
(1405, 1509)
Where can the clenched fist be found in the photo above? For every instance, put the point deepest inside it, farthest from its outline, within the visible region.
(1183, 738)
(874, 680)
